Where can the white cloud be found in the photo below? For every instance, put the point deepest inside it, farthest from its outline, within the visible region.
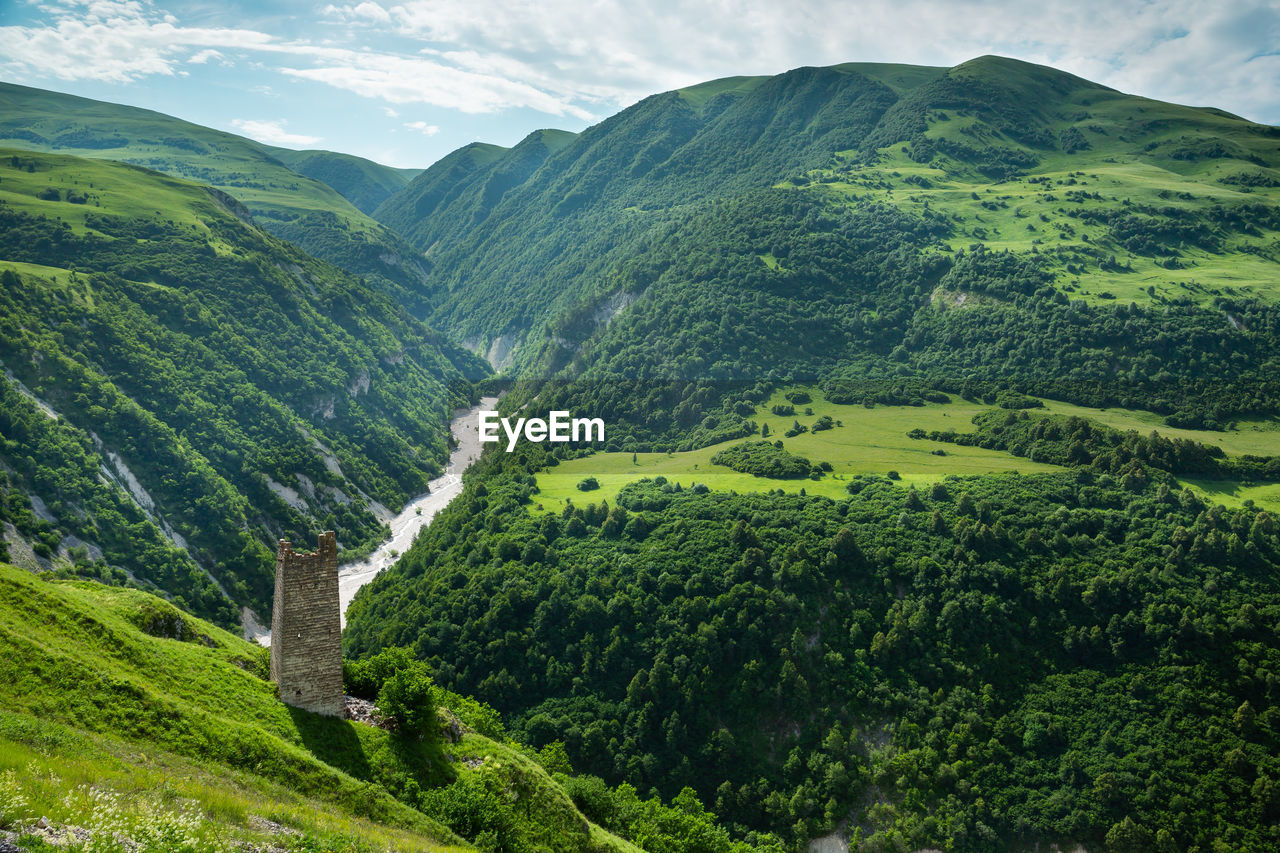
(362, 12)
(272, 132)
(422, 126)
(1196, 51)
(115, 41)
(422, 80)
(390, 113)
(373, 12)
(579, 60)
(120, 41)
(204, 56)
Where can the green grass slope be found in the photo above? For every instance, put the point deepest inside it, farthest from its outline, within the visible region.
(298, 205)
(93, 674)
(1130, 198)
(182, 388)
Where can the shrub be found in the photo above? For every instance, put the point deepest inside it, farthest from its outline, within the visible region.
(764, 459)
(407, 696)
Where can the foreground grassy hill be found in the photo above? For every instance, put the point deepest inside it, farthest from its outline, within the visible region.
(125, 716)
(106, 690)
(315, 199)
(182, 388)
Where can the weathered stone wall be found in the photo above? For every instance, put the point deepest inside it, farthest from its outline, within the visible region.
(306, 637)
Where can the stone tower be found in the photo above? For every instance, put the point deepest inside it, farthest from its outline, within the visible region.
(306, 636)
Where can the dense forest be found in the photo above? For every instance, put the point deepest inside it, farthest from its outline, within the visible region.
(1081, 657)
(849, 307)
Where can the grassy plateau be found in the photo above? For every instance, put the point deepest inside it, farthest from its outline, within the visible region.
(874, 442)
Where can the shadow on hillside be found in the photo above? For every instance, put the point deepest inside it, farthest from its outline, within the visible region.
(333, 741)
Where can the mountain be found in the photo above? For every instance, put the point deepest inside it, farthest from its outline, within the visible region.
(936, 507)
(182, 388)
(1108, 199)
(288, 192)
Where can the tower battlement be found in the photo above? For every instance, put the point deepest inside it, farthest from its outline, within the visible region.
(306, 634)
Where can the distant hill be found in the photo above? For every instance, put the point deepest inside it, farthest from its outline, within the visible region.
(362, 182)
(313, 198)
(182, 388)
(473, 178)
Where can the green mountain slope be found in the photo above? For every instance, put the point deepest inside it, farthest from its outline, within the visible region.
(182, 386)
(1049, 208)
(468, 183)
(298, 205)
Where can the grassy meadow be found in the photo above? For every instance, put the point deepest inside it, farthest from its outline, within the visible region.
(1135, 152)
(164, 801)
(874, 442)
(120, 713)
(865, 441)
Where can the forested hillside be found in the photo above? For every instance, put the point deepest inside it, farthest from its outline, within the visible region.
(1084, 657)
(362, 182)
(182, 388)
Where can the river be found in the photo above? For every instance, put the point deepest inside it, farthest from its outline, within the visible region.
(416, 514)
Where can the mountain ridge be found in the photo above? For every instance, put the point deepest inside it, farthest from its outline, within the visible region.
(689, 146)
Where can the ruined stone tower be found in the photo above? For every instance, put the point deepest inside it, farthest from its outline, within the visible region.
(306, 637)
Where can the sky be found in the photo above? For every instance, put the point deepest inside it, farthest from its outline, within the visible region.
(404, 83)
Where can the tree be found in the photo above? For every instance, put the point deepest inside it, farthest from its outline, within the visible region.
(407, 696)
(1128, 836)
